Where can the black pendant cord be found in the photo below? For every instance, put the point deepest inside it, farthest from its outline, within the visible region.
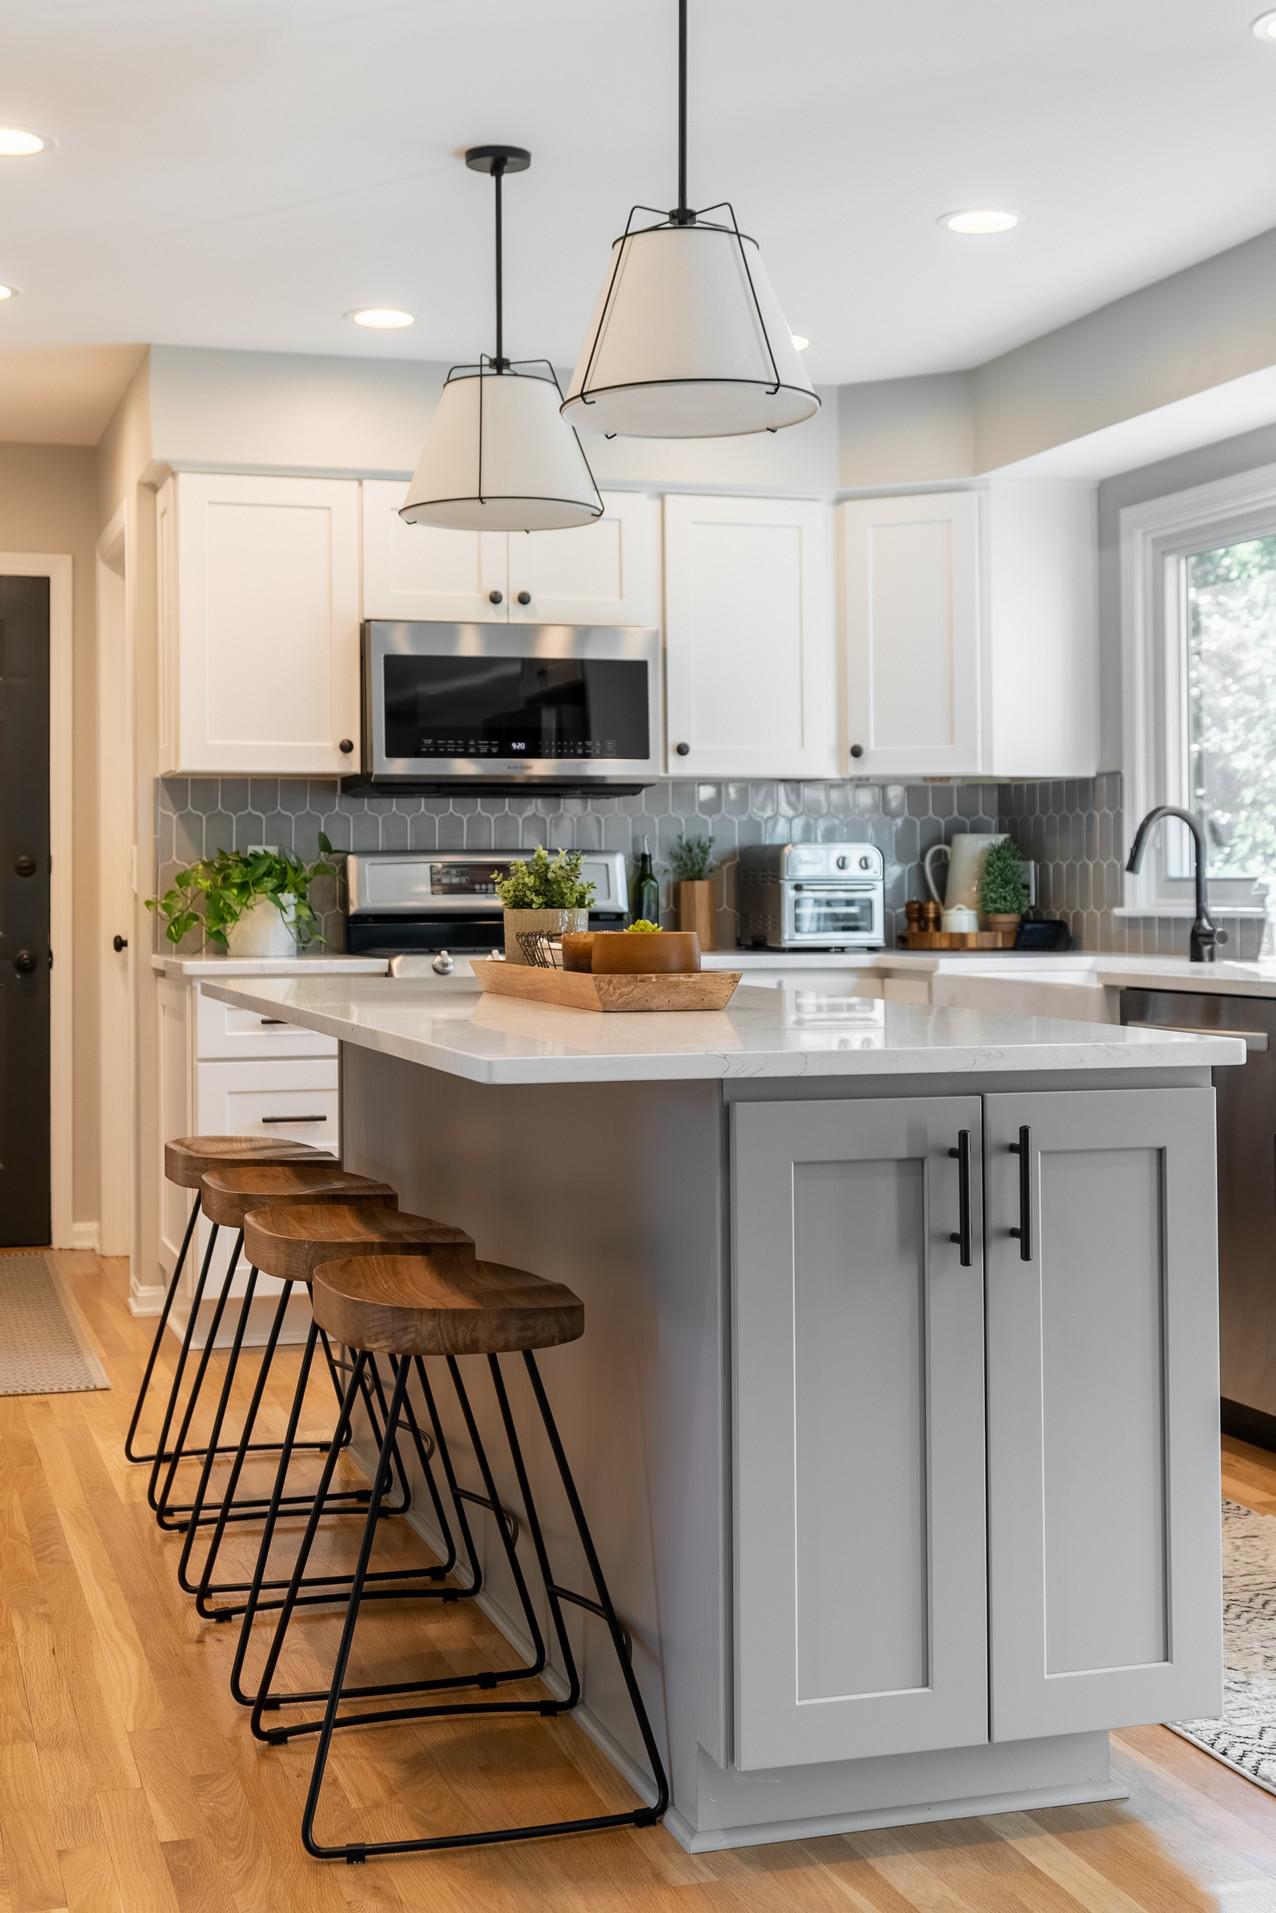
(498, 170)
(682, 215)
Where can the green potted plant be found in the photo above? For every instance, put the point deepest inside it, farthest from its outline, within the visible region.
(692, 863)
(249, 903)
(545, 894)
(1003, 886)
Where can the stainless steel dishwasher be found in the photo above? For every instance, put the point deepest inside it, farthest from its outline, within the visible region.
(1246, 1194)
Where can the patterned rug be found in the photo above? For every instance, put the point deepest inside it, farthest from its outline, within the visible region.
(1245, 1737)
(44, 1347)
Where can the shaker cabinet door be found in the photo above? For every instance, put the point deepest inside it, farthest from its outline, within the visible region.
(604, 573)
(750, 651)
(910, 626)
(858, 1353)
(422, 572)
(1103, 1498)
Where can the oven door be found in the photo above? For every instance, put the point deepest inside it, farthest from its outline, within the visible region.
(832, 915)
(560, 703)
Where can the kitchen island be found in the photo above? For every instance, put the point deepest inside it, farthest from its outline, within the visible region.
(896, 1411)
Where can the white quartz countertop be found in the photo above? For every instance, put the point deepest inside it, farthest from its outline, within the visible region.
(447, 1024)
(323, 963)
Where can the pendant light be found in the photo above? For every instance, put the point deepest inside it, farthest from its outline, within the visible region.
(498, 456)
(688, 339)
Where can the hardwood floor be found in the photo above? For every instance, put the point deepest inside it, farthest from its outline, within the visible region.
(129, 1781)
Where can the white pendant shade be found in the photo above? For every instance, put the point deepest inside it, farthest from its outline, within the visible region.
(499, 457)
(681, 345)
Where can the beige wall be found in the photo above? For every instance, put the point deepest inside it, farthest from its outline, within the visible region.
(48, 504)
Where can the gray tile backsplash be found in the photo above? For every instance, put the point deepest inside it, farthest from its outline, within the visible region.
(1073, 829)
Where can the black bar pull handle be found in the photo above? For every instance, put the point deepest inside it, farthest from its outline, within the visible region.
(1023, 1233)
(294, 1119)
(961, 1236)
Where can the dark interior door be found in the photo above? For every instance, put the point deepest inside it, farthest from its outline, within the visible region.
(24, 912)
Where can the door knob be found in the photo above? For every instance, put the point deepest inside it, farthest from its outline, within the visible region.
(119, 943)
(25, 865)
(346, 746)
(683, 750)
(857, 750)
(525, 597)
(495, 597)
(26, 961)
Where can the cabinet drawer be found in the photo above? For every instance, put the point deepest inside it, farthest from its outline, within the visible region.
(221, 1030)
(289, 1099)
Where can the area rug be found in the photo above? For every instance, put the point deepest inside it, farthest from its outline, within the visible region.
(44, 1347)
(1245, 1738)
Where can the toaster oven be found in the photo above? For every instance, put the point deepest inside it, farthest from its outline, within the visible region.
(811, 897)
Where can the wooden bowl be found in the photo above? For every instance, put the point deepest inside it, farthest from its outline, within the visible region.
(646, 952)
(578, 950)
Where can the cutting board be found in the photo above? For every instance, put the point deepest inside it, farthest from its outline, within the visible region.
(958, 940)
(581, 990)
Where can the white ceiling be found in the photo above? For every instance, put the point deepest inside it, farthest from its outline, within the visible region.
(241, 172)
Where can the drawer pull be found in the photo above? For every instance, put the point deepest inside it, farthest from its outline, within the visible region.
(269, 1022)
(1023, 1234)
(293, 1119)
(961, 1236)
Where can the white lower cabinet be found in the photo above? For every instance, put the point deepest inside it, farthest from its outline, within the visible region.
(859, 1432)
(958, 1517)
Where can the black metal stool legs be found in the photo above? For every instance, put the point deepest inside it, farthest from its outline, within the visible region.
(170, 1293)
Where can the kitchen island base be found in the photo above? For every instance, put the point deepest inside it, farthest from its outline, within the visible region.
(904, 1512)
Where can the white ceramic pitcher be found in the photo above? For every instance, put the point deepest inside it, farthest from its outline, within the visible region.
(965, 855)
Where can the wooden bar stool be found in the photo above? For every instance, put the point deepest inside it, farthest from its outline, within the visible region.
(286, 1242)
(226, 1194)
(411, 1308)
(185, 1161)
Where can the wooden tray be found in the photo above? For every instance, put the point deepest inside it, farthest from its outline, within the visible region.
(581, 990)
(958, 940)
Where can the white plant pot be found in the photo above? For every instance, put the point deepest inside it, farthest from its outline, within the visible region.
(262, 932)
(549, 923)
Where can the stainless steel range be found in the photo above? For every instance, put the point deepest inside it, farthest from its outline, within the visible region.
(419, 901)
(811, 897)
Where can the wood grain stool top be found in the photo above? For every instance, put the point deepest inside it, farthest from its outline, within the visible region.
(227, 1195)
(439, 1304)
(188, 1158)
(288, 1241)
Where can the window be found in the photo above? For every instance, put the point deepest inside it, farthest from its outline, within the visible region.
(1199, 636)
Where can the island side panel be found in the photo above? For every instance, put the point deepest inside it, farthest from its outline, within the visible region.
(618, 1190)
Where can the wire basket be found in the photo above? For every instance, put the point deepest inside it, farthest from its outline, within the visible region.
(539, 951)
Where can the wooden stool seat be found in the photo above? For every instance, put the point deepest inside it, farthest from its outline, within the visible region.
(441, 1304)
(188, 1158)
(227, 1195)
(287, 1242)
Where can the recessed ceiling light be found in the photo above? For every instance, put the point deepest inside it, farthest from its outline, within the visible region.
(382, 318)
(1264, 28)
(980, 220)
(16, 142)
(799, 343)
(8, 292)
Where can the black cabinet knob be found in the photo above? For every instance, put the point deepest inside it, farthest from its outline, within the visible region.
(346, 746)
(119, 943)
(25, 865)
(525, 597)
(25, 962)
(496, 597)
(857, 750)
(683, 750)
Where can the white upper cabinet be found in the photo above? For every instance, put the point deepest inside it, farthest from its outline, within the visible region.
(751, 656)
(418, 571)
(970, 626)
(604, 573)
(910, 624)
(258, 610)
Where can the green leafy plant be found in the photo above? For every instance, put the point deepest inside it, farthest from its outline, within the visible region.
(213, 894)
(644, 927)
(544, 882)
(692, 859)
(1003, 883)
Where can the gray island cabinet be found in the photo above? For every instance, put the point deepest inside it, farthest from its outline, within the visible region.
(896, 1411)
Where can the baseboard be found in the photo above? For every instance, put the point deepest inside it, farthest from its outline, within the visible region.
(86, 1235)
(145, 1298)
(1253, 1425)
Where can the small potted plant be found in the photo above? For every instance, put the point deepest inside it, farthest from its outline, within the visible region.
(692, 864)
(249, 903)
(1003, 887)
(546, 894)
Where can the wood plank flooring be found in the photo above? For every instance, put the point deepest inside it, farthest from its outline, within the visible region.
(129, 1782)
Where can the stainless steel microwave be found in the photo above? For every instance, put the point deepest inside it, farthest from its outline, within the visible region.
(550, 704)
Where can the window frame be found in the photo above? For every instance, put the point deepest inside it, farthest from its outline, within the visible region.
(1156, 539)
